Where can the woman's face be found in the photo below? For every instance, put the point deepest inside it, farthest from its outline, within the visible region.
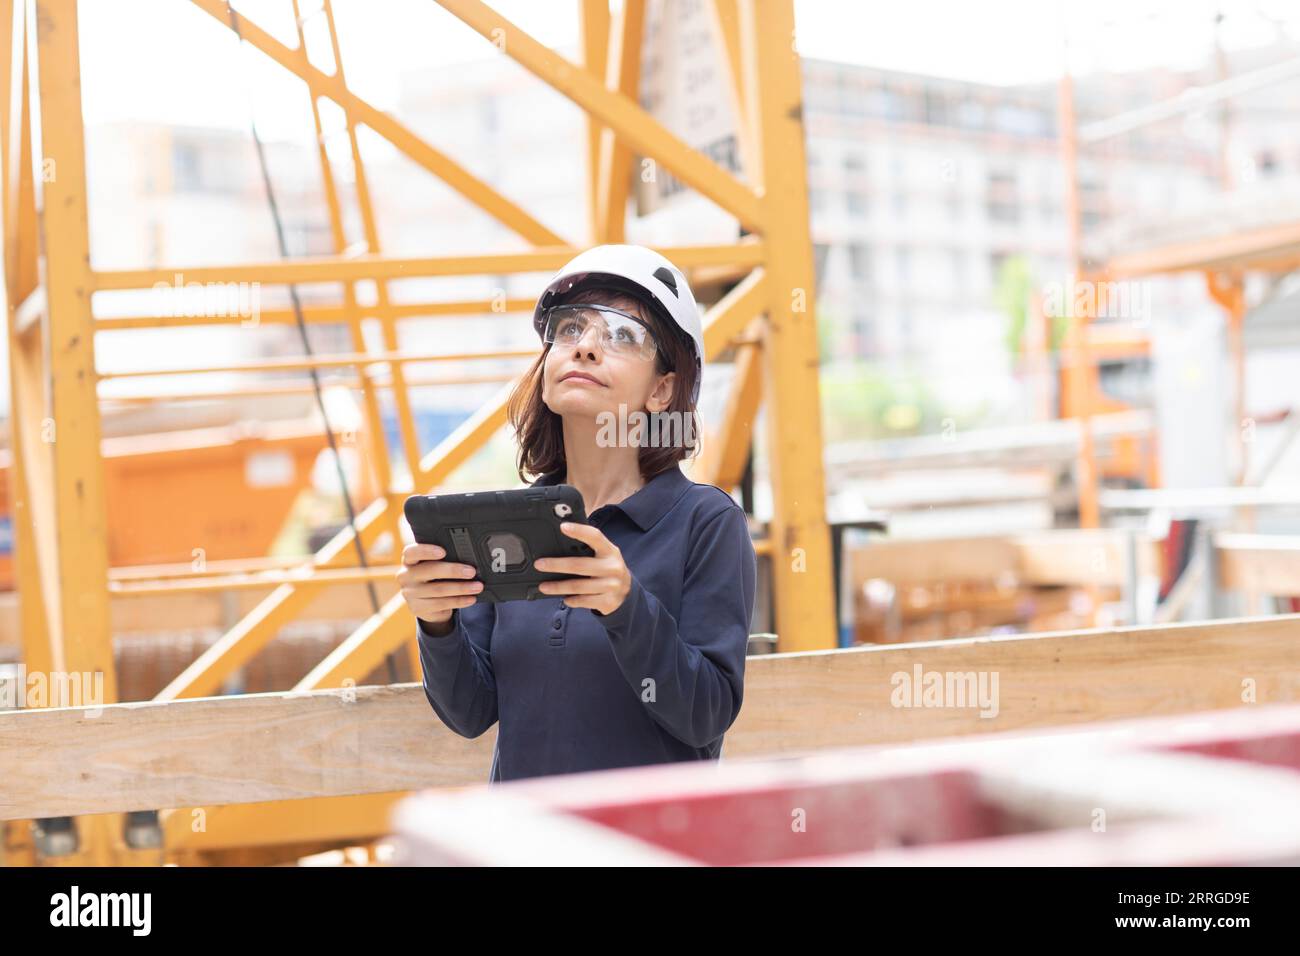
(583, 379)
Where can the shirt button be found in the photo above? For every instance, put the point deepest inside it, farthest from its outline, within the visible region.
(556, 624)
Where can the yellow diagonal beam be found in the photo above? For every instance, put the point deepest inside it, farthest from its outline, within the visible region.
(633, 125)
(258, 628)
(724, 463)
(364, 649)
(614, 160)
(235, 648)
(380, 634)
(437, 162)
(734, 311)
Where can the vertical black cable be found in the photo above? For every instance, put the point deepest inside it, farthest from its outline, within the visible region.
(306, 346)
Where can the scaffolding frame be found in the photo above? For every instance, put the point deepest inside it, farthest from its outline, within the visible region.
(60, 511)
(1223, 263)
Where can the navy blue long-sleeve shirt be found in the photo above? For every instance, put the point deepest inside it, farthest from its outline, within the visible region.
(659, 679)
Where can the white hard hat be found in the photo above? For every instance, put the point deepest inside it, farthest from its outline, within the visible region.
(640, 272)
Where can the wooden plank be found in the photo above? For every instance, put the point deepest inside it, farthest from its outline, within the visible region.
(843, 698)
(1079, 557)
(1084, 556)
(204, 752)
(212, 751)
(1261, 563)
(926, 560)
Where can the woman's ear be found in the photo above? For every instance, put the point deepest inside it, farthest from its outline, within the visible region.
(662, 396)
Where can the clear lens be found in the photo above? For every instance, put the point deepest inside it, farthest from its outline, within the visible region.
(617, 332)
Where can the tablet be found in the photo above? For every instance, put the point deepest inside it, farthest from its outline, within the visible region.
(501, 534)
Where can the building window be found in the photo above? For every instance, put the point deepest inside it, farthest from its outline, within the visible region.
(1019, 120)
(996, 260)
(860, 262)
(1002, 197)
(821, 253)
(970, 115)
(862, 334)
(937, 108)
(1092, 202)
(186, 168)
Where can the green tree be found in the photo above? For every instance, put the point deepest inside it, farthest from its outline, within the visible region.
(1012, 289)
(1011, 294)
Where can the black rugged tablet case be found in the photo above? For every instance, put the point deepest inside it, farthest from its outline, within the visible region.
(516, 526)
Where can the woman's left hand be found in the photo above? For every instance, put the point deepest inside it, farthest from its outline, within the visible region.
(605, 579)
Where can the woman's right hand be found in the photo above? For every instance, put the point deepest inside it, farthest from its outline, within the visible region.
(432, 587)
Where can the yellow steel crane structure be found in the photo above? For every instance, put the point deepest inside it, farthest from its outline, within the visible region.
(60, 512)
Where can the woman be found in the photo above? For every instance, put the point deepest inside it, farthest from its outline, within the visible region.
(639, 658)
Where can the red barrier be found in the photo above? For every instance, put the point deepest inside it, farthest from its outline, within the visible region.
(1208, 789)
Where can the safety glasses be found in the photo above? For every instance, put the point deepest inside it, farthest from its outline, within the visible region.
(618, 332)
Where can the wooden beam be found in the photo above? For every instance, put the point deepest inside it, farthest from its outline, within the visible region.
(243, 749)
(842, 698)
(1079, 557)
(1084, 556)
(926, 560)
(205, 752)
(1262, 563)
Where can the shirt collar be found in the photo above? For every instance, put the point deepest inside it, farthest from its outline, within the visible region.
(647, 504)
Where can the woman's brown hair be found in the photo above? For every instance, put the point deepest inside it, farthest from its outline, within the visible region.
(540, 431)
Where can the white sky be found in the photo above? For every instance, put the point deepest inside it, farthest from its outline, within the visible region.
(166, 60)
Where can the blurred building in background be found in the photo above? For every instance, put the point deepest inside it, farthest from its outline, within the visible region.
(921, 190)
